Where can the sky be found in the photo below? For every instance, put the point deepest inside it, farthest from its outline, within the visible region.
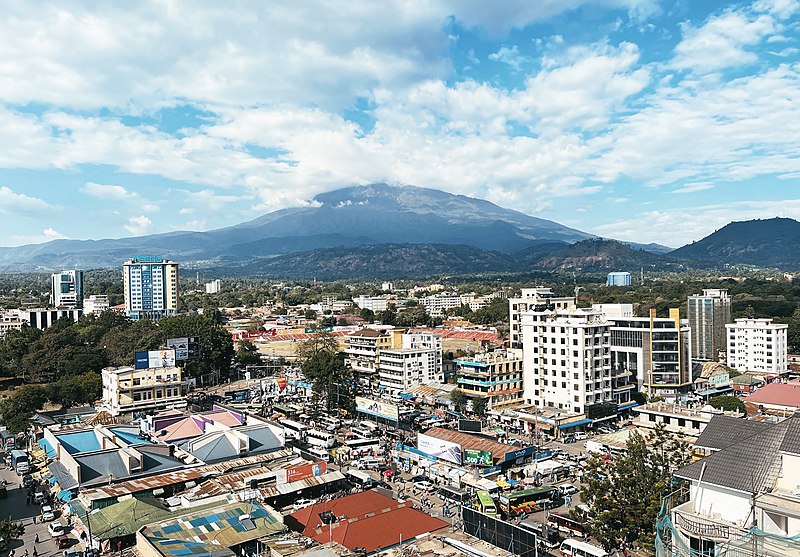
(638, 120)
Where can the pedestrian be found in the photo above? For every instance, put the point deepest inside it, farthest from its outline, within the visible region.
(35, 553)
(36, 539)
(34, 519)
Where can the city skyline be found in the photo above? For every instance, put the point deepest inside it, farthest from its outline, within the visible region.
(632, 119)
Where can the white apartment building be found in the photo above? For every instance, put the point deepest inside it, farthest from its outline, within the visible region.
(9, 322)
(708, 314)
(151, 287)
(437, 304)
(567, 359)
(126, 389)
(66, 288)
(757, 345)
(214, 286)
(530, 298)
(42, 318)
(373, 303)
(95, 304)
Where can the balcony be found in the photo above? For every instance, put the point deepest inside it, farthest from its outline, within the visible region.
(696, 525)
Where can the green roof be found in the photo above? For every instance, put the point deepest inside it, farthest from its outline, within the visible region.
(126, 517)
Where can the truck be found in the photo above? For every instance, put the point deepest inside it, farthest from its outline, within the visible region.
(596, 448)
(19, 462)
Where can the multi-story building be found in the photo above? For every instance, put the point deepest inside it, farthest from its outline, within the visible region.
(42, 318)
(708, 314)
(529, 299)
(618, 279)
(495, 376)
(655, 352)
(214, 286)
(126, 389)
(151, 287)
(9, 322)
(437, 304)
(66, 288)
(567, 357)
(373, 303)
(758, 345)
(96, 304)
(743, 499)
(394, 359)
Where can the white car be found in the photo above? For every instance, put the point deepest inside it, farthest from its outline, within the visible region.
(302, 504)
(567, 489)
(424, 486)
(56, 529)
(47, 513)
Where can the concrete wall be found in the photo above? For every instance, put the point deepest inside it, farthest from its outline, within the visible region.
(719, 502)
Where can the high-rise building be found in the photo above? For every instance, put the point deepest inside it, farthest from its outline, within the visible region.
(618, 279)
(494, 376)
(151, 287)
(757, 345)
(214, 286)
(567, 357)
(532, 298)
(708, 314)
(66, 289)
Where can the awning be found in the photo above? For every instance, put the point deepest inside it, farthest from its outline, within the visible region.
(48, 450)
(712, 392)
(574, 424)
(406, 396)
(628, 406)
(53, 480)
(65, 495)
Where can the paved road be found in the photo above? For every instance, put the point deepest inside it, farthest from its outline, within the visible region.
(16, 508)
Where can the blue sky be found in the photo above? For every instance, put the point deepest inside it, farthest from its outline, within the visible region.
(633, 119)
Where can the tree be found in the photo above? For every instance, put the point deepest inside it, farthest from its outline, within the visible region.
(72, 391)
(625, 494)
(479, 406)
(367, 315)
(13, 347)
(728, 404)
(17, 410)
(9, 531)
(310, 314)
(214, 342)
(247, 353)
(323, 341)
(122, 341)
(330, 377)
(459, 399)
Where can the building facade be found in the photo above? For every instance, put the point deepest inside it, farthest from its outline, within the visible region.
(42, 318)
(373, 303)
(531, 298)
(96, 304)
(655, 352)
(757, 345)
(708, 314)
(567, 360)
(495, 376)
(214, 286)
(66, 288)
(151, 287)
(618, 279)
(126, 389)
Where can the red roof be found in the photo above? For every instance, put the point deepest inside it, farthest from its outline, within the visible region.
(367, 519)
(779, 394)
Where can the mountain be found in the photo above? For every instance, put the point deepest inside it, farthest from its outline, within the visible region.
(599, 255)
(763, 243)
(346, 218)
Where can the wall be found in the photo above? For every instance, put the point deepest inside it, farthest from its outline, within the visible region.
(729, 505)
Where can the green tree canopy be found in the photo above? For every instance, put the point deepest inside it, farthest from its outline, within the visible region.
(479, 406)
(728, 403)
(247, 353)
(459, 399)
(17, 410)
(214, 342)
(330, 377)
(322, 341)
(73, 391)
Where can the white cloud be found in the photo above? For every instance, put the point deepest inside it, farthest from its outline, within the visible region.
(139, 226)
(107, 191)
(52, 234)
(693, 187)
(12, 202)
(511, 57)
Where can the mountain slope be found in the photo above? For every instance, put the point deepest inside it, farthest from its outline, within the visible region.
(605, 255)
(763, 243)
(348, 217)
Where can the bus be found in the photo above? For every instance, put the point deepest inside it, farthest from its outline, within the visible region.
(565, 523)
(545, 535)
(486, 503)
(294, 430)
(359, 478)
(453, 494)
(528, 500)
(330, 422)
(359, 446)
(575, 548)
(362, 432)
(320, 453)
(320, 438)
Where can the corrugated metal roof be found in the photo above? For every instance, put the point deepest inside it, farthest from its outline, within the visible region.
(283, 489)
(474, 442)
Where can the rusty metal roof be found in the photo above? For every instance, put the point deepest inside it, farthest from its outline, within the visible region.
(474, 442)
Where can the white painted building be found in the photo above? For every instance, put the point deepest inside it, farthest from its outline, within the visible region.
(417, 361)
(373, 303)
(530, 298)
(567, 359)
(214, 286)
(757, 345)
(42, 318)
(95, 304)
(151, 287)
(708, 313)
(126, 389)
(66, 288)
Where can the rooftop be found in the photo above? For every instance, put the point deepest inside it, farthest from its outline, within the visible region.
(468, 441)
(777, 394)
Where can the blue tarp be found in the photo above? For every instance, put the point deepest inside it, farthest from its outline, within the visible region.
(49, 451)
(574, 424)
(628, 406)
(65, 495)
(406, 396)
(53, 480)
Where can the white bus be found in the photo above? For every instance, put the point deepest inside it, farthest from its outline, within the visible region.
(320, 453)
(574, 548)
(358, 446)
(357, 477)
(294, 430)
(329, 421)
(369, 424)
(320, 438)
(362, 432)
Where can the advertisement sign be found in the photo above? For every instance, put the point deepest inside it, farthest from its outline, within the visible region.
(161, 358)
(147, 259)
(142, 360)
(469, 426)
(446, 450)
(299, 473)
(185, 348)
(478, 458)
(521, 453)
(377, 408)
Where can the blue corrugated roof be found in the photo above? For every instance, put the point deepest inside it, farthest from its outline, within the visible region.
(131, 436)
(574, 424)
(80, 442)
(48, 449)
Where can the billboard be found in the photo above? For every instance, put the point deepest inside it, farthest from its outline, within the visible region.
(471, 426)
(154, 359)
(479, 458)
(299, 473)
(446, 450)
(185, 347)
(377, 408)
(142, 360)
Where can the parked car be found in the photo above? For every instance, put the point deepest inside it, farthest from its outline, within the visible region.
(567, 489)
(423, 486)
(581, 436)
(27, 480)
(47, 513)
(39, 497)
(419, 478)
(569, 438)
(73, 553)
(302, 504)
(63, 542)
(56, 529)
